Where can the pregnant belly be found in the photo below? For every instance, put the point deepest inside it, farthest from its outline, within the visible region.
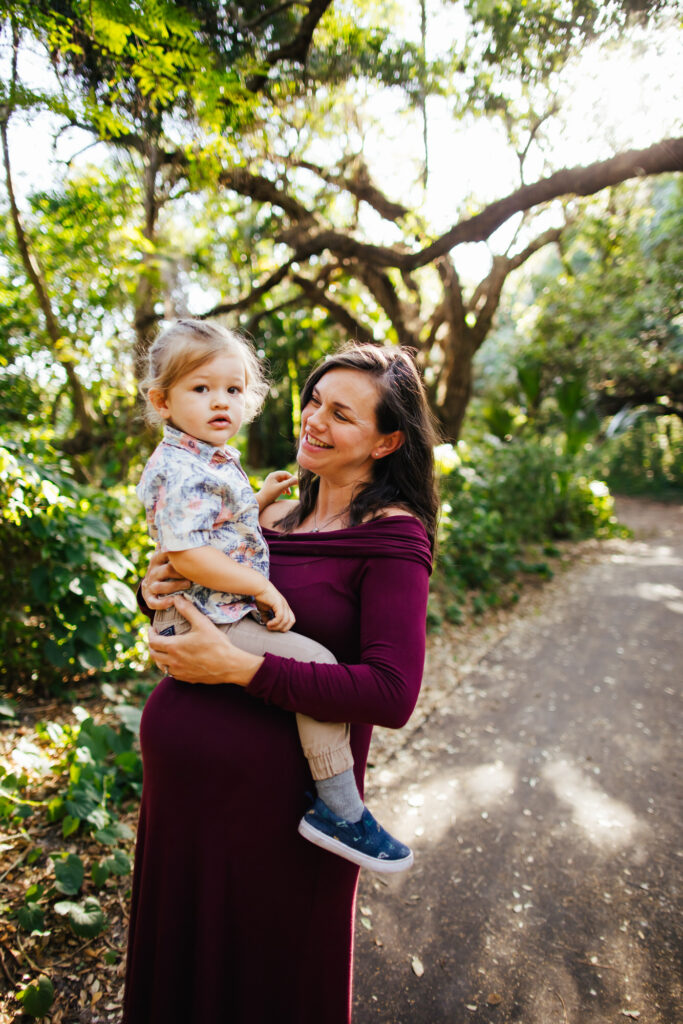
(216, 750)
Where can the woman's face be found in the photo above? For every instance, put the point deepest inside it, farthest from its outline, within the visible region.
(339, 436)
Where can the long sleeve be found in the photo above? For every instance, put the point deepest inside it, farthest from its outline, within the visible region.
(382, 688)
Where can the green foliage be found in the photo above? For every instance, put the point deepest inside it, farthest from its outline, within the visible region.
(76, 777)
(612, 316)
(37, 997)
(645, 457)
(86, 918)
(68, 607)
(502, 505)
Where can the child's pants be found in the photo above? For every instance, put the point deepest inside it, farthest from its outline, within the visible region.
(325, 744)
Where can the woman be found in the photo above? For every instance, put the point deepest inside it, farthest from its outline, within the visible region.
(235, 919)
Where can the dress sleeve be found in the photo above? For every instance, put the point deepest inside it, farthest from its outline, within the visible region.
(383, 688)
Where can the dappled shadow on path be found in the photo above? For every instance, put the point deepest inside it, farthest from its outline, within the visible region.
(543, 801)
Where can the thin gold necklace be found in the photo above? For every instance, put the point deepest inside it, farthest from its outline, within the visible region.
(317, 527)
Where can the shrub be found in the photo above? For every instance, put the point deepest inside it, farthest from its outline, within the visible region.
(68, 608)
(502, 503)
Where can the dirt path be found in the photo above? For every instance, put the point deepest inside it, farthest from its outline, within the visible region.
(540, 785)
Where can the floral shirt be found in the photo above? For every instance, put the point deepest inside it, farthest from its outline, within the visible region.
(197, 495)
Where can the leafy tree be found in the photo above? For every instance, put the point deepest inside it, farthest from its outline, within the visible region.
(253, 111)
(610, 312)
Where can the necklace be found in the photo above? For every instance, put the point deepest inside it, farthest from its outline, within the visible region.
(317, 527)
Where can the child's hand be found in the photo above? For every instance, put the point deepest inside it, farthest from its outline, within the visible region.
(275, 484)
(276, 613)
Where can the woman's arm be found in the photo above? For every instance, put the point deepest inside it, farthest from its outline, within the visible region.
(381, 690)
(383, 687)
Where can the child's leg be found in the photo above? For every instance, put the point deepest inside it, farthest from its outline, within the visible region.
(338, 821)
(325, 744)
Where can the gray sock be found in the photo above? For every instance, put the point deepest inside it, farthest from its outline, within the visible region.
(341, 795)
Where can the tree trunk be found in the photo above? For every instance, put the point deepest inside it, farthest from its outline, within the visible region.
(454, 389)
(148, 288)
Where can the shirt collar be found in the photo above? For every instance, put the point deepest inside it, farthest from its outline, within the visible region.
(202, 449)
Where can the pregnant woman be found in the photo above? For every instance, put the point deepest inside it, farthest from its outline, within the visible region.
(235, 919)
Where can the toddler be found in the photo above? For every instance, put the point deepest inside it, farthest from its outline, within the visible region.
(203, 383)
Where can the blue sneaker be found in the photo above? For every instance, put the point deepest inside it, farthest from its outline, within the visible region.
(364, 842)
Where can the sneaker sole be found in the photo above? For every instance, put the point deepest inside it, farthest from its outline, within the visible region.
(332, 845)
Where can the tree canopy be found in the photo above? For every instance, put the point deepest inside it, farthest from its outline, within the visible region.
(231, 179)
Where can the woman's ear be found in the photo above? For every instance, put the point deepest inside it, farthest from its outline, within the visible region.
(158, 400)
(389, 443)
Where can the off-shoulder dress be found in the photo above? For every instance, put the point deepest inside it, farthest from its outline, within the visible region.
(235, 919)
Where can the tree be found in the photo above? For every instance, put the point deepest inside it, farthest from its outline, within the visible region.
(228, 108)
(610, 313)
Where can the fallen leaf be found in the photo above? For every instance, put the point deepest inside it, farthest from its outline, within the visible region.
(417, 967)
(494, 998)
(633, 1014)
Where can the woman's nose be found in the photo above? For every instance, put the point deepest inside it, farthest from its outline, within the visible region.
(315, 418)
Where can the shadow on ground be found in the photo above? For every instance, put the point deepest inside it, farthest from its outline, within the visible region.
(542, 796)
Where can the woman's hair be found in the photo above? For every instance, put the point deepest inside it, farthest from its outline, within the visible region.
(188, 344)
(406, 477)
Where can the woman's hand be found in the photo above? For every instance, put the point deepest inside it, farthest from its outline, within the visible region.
(161, 582)
(204, 655)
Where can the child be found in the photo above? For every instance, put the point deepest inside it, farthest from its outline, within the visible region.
(203, 383)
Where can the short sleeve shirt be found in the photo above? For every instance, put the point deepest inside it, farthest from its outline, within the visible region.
(197, 495)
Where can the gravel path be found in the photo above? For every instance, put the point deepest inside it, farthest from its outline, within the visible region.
(540, 786)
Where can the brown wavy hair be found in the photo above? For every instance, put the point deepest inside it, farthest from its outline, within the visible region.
(406, 478)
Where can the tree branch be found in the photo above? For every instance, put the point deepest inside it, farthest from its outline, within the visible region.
(34, 272)
(319, 297)
(361, 186)
(662, 157)
(250, 297)
(297, 49)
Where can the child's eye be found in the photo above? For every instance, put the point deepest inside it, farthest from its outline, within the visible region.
(235, 390)
(200, 389)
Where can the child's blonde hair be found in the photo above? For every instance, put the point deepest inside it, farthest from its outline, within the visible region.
(188, 344)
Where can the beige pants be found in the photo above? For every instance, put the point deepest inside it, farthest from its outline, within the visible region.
(325, 744)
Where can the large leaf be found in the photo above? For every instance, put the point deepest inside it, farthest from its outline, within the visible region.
(36, 998)
(31, 917)
(86, 918)
(69, 874)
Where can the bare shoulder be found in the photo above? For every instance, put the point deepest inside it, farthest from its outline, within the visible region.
(395, 510)
(274, 512)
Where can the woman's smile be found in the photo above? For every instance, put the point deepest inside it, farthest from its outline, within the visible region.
(339, 428)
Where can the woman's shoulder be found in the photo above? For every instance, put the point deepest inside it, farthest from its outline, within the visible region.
(391, 510)
(274, 512)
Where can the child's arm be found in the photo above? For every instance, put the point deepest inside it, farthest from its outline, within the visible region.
(274, 485)
(214, 569)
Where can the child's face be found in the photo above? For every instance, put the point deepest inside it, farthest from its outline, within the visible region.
(207, 403)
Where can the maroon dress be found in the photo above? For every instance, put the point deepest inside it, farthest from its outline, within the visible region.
(235, 918)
